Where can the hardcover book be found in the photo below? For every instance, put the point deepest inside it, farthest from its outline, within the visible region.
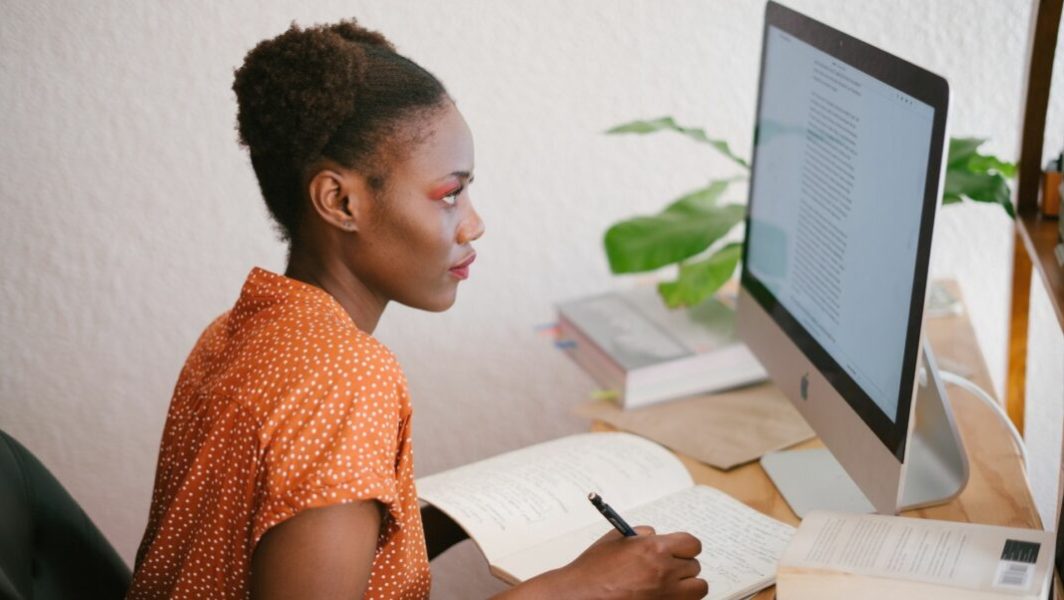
(637, 348)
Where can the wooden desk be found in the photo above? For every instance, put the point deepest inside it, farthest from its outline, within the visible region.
(997, 491)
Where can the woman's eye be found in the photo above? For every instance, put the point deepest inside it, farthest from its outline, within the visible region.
(452, 198)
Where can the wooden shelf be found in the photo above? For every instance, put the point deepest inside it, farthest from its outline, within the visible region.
(1040, 237)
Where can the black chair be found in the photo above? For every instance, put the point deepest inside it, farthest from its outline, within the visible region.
(48, 546)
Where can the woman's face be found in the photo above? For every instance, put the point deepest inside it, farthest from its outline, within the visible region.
(417, 246)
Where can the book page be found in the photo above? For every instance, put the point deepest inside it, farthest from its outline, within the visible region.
(525, 497)
(740, 546)
(977, 557)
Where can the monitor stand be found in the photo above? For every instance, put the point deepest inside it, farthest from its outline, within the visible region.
(936, 472)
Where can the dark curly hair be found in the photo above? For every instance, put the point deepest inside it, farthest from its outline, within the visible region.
(330, 91)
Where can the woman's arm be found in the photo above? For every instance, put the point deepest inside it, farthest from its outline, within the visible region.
(319, 553)
(328, 553)
(441, 532)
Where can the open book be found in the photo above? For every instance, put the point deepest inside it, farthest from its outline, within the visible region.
(873, 557)
(528, 510)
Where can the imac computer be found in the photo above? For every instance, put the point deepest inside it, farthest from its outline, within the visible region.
(845, 181)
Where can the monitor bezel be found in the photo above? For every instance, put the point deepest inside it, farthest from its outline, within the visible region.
(933, 91)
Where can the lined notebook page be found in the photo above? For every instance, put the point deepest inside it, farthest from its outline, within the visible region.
(740, 546)
(523, 498)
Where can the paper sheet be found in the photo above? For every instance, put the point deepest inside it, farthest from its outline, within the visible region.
(740, 546)
(724, 430)
(525, 497)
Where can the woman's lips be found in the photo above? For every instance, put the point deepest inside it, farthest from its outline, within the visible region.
(461, 270)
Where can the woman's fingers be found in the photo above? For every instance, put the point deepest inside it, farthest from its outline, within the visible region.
(682, 545)
(687, 567)
(692, 587)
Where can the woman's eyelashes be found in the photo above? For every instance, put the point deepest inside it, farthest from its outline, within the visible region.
(452, 198)
(449, 192)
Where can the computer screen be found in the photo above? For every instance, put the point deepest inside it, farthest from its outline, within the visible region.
(841, 203)
(833, 230)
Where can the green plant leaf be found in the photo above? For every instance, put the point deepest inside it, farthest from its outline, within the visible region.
(980, 187)
(669, 124)
(962, 149)
(963, 153)
(690, 225)
(980, 177)
(700, 200)
(699, 280)
(981, 164)
(644, 126)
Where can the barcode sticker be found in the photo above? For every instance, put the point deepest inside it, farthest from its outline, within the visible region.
(1013, 575)
(1021, 551)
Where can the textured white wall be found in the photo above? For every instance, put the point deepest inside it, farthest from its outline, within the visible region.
(129, 216)
(1044, 421)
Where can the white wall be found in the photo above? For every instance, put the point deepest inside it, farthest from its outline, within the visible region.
(1044, 407)
(129, 216)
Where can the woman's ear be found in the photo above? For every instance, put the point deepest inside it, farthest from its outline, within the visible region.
(337, 196)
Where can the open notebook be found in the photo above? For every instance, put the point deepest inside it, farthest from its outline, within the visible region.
(528, 511)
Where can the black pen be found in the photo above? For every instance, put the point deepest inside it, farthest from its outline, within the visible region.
(611, 515)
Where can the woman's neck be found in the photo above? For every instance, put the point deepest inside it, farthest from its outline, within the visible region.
(364, 306)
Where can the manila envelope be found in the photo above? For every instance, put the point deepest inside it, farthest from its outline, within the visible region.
(724, 429)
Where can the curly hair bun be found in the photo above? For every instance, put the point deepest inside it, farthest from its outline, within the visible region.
(338, 91)
(294, 88)
(351, 31)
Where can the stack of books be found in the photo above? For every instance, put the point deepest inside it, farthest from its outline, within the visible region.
(642, 352)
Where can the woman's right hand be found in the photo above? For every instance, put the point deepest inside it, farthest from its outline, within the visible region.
(644, 566)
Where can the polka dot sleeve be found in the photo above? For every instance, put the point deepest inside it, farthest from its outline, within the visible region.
(336, 443)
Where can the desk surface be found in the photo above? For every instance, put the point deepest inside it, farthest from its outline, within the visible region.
(997, 491)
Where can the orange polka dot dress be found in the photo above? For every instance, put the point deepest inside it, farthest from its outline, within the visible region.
(283, 405)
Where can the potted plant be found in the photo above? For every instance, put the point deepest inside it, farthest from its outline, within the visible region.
(693, 230)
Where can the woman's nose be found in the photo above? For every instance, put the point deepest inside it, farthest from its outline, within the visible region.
(471, 228)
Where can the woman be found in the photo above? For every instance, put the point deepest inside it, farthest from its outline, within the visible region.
(285, 467)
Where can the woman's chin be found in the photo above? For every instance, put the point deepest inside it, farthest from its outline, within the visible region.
(437, 303)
